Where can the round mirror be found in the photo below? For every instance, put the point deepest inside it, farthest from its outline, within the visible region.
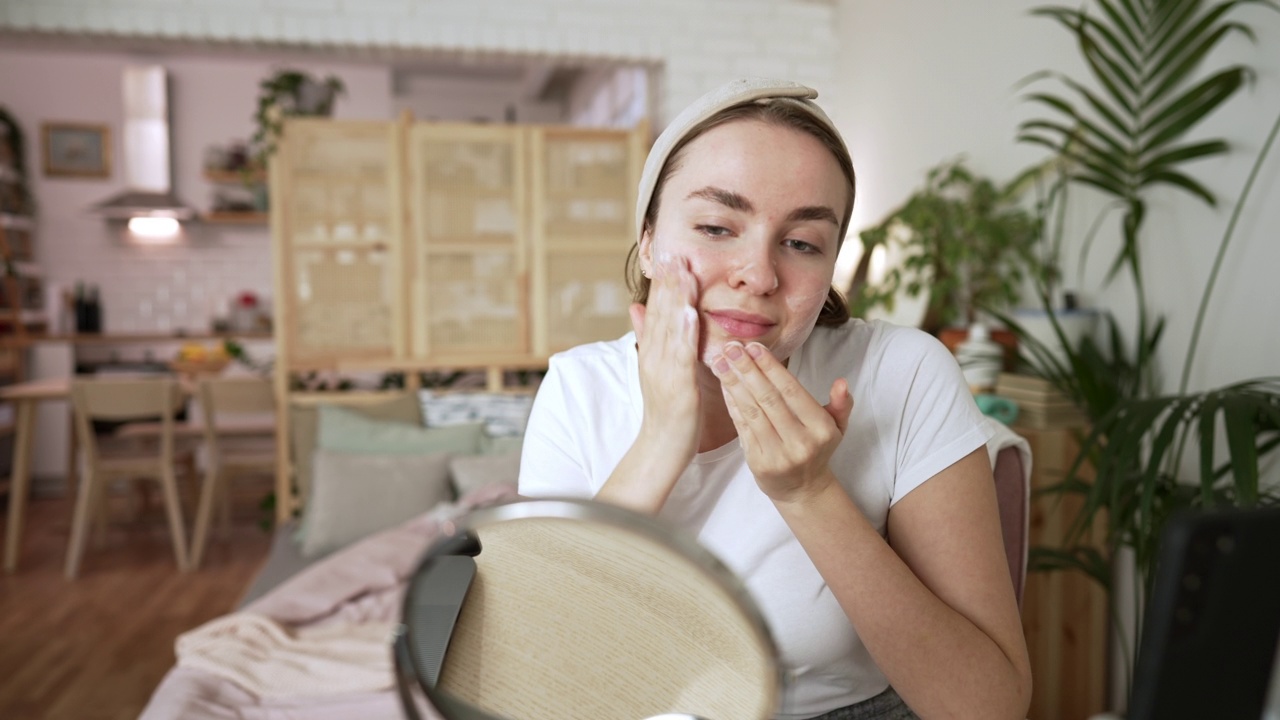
(577, 610)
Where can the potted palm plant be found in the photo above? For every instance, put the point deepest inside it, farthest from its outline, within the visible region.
(1125, 130)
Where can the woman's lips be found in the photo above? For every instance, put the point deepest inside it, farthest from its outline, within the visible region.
(740, 324)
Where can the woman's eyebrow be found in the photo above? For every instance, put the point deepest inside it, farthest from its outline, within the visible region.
(814, 212)
(731, 200)
(734, 201)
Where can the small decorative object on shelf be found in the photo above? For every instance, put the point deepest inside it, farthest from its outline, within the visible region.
(240, 186)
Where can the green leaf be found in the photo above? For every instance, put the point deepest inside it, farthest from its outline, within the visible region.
(1208, 422)
(1184, 154)
(1238, 417)
(1114, 119)
(1180, 114)
(1168, 24)
(1177, 179)
(1185, 55)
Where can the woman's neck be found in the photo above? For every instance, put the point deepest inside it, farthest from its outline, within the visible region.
(717, 427)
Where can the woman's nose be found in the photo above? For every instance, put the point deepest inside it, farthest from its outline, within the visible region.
(755, 272)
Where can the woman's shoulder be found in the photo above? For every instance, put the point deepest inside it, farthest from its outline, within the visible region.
(605, 361)
(869, 338)
(602, 352)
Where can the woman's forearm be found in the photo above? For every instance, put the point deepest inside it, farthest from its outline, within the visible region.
(939, 661)
(644, 477)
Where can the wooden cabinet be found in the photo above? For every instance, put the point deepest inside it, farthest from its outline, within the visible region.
(418, 246)
(449, 245)
(1064, 614)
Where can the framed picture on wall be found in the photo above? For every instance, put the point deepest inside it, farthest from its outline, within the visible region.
(76, 150)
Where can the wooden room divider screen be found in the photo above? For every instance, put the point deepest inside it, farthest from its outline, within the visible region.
(408, 246)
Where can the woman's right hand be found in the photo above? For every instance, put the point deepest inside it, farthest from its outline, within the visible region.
(667, 333)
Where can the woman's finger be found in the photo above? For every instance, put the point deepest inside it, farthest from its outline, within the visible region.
(745, 435)
(841, 404)
(750, 415)
(779, 395)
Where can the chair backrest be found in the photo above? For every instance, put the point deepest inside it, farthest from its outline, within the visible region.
(1013, 495)
(116, 399)
(235, 396)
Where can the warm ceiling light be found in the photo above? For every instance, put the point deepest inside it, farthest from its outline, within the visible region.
(154, 229)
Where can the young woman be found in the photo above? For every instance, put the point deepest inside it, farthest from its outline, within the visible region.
(837, 466)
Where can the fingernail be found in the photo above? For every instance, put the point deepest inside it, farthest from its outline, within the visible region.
(720, 365)
(755, 350)
(733, 351)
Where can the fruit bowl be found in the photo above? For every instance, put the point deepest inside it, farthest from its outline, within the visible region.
(205, 366)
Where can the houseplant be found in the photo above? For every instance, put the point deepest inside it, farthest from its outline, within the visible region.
(964, 241)
(289, 93)
(1123, 134)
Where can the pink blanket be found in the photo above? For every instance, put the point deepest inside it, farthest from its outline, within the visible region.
(356, 587)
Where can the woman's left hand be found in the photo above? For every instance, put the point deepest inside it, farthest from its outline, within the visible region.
(787, 436)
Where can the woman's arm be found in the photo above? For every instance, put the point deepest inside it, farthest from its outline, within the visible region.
(935, 605)
(667, 331)
(938, 614)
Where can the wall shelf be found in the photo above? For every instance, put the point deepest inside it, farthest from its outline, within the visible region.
(235, 218)
(236, 177)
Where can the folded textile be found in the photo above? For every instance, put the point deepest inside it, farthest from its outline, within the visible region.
(267, 659)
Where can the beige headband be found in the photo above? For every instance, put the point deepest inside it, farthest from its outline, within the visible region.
(726, 96)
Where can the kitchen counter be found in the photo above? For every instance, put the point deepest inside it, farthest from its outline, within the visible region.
(132, 337)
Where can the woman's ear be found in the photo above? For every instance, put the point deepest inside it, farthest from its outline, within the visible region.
(645, 254)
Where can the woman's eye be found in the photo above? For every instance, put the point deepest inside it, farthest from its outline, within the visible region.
(802, 246)
(711, 230)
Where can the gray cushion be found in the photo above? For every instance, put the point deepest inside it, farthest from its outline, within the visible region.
(474, 472)
(356, 495)
(304, 421)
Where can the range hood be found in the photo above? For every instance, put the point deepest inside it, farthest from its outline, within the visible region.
(148, 169)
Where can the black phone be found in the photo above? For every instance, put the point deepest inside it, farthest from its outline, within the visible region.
(1212, 623)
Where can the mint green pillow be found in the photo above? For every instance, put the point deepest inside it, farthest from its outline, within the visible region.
(343, 430)
(501, 445)
(346, 432)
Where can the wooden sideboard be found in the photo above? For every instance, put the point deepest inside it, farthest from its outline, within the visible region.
(1064, 614)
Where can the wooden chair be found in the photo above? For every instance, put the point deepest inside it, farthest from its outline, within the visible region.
(111, 399)
(232, 445)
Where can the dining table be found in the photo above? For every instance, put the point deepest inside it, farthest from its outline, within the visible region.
(27, 396)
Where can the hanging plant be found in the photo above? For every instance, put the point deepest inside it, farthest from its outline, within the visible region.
(289, 93)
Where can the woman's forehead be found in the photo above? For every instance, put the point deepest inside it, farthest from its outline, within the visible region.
(751, 157)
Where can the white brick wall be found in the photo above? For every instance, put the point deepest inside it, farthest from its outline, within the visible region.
(698, 43)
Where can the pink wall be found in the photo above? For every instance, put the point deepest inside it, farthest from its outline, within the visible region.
(212, 100)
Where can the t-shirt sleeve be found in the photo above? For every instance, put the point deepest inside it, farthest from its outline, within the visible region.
(939, 422)
(551, 457)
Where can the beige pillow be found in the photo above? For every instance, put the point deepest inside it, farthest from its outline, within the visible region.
(473, 472)
(304, 425)
(356, 495)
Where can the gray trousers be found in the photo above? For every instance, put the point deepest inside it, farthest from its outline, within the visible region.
(885, 706)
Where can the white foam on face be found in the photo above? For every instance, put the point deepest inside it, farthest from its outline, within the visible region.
(800, 302)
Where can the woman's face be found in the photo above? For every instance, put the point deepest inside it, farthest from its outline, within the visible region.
(755, 208)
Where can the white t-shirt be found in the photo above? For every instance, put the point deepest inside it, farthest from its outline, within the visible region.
(913, 416)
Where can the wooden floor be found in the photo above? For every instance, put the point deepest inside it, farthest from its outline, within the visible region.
(96, 647)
